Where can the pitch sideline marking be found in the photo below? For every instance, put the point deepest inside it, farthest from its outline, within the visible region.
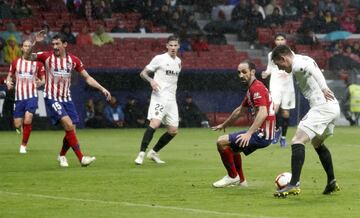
(129, 204)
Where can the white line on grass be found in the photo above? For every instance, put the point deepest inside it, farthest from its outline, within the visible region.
(128, 204)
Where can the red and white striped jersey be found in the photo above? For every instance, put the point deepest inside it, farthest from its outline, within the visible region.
(26, 72)
(256, 96)
(58, 74)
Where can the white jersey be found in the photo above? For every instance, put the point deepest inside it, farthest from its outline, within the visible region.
(166, 72)
(280, 81)
(310, 79)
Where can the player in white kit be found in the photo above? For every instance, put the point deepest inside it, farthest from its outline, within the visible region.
(282, 93)
(317, 124)
(163, 107)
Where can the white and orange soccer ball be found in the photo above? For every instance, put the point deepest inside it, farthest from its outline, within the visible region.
(282, 180)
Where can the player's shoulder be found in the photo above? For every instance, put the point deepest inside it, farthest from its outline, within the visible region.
(44, 53)
(177, 59)
(257, 86)
(72, 55)
(301, 61)
(14, 62)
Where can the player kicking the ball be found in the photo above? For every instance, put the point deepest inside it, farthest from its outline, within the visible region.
(163, 107)
(317, 124)
(59, 65)
(29, 75)
(259, 135)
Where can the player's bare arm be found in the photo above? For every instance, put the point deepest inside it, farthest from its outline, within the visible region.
(145, 76)
(265, 74)
(230, 120)
(38, 37)
(93, 83)
(9, 82)
(40, 82)
(259, 119)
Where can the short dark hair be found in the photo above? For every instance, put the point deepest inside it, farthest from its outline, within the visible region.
(59, 36)
(280, 34)
(279, 51)
(172, 38)
(251, 65)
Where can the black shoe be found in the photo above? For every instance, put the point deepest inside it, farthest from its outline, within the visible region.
(331, 187)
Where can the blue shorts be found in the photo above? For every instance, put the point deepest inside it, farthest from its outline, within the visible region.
(57, 110)
(256, 142)
(21, 106)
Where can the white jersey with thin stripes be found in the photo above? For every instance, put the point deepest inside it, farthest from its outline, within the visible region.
(25, 72)
(310, 79)
(58, 74)
(279, 80)
(166, 73)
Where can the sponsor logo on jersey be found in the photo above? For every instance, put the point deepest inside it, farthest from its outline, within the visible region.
(171, 73)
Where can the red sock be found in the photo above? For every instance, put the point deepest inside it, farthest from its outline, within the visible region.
(26, 133)
(228, 161)
(238, 165)
(73, 143)
(65, 147)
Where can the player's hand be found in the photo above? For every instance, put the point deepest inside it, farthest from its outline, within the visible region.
(9, 85)
(154, 85)
(243, 139)
(107, 94)
(329, 95)
(218, 127)
(39, 36)
(39, 83)
(264, 74)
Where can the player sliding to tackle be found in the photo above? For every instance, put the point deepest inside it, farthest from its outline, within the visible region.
(29, 75)
(317, 125)
(259, 135)
(59, 65)
(163, 107)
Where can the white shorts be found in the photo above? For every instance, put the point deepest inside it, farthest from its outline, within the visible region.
(319, 121)
(285, 99)
(166, 111)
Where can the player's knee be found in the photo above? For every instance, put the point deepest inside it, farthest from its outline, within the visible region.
(173, 132)
(17, 124)
(220, 143)
(285, 113)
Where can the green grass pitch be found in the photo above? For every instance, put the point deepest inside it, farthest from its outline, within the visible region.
(33, 185)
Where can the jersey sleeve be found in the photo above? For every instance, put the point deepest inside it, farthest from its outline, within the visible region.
(154, 64)
(269, 64)
(12, 68)
(245, 102)
(315, 71)
(40, 70)
(42, 56)
(260, 96)
(79, 66)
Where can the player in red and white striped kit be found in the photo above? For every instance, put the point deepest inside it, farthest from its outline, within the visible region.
(28, 75)
(259, 135)
(59, 65)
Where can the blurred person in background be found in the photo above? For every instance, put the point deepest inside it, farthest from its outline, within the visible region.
(66, 31)
(84, 37)
(100, 37)
(11, 50)
(114, 114)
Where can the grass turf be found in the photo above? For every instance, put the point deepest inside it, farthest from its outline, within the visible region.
(33, 185)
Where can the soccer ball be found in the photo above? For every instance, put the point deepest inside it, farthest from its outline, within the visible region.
(282, 180)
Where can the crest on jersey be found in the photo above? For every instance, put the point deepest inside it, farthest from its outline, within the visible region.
(257, 95)
(68, 67)
(33, 68)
